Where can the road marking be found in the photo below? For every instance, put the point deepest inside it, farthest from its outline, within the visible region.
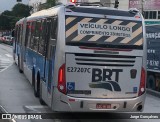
(6, 68)
(8, 55)
(5, 59)
(5, 63)
(38, 109)
(5, 112)
(36, 106)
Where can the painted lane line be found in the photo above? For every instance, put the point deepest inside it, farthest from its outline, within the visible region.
(4, 111)
(6, 68)
(8, 55)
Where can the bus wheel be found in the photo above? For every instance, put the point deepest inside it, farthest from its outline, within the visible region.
(19, 65)
(34, 83)
(151, 82)
(13, 57)
(35, 92)
(40, 95)
(33, 77)
(38, 85)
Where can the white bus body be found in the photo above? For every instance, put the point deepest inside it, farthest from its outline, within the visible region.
(96, 63)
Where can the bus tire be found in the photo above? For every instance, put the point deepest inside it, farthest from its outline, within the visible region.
(13, 56)
(33, 78)
(151, 82)
(40, 96)
(19, 65)
(35, 92)
(38, 85)
(34, 83)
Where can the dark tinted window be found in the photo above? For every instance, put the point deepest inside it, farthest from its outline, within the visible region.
(54, 28)
(27, 33)
(158, 14)
(146, 16)
(32, 42)
(154, 16)
(42, 43)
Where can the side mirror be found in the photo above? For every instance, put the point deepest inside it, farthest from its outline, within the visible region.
(13, 33)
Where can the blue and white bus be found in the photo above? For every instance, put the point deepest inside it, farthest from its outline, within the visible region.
(85, 58)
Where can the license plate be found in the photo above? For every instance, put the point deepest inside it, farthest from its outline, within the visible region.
(103, 106)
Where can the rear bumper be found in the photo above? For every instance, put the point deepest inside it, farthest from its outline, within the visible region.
(71, 104)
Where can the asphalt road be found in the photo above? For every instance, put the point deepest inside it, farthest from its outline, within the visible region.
(16, 94)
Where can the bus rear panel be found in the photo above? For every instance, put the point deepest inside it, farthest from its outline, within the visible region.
(104, 61)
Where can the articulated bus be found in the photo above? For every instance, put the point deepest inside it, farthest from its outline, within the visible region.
(84, 58)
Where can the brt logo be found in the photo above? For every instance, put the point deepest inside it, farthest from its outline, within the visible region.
(105, 74)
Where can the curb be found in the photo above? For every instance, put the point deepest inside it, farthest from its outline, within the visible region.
(154, 93)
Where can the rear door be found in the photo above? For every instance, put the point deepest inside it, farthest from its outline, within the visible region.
(103, 56)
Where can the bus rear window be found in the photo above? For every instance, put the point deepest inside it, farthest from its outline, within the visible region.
(91, 31)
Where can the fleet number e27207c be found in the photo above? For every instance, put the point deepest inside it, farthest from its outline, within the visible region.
(78, 69)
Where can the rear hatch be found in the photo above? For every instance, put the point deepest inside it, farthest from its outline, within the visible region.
(103, 74)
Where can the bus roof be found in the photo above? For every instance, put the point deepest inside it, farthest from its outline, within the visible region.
(82, 9)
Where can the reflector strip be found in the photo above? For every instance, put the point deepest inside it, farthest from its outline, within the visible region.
(71, 30)
(139, 42)
(136, 33)
(69, 20)
(112, 38)
(74, 28)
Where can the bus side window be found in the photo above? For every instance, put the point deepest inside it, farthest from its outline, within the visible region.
(30, 35)
(27, 34)
(32, 43)
(16, 31)
(18, 34)
(21, 34)
(53, 37)
(39, 32)
(36, 35)
(41, 48)
(54, 29)
(15, 38)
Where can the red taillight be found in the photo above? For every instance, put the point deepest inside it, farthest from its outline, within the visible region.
(137, 17)
(142, 83)
(72, 100)
(73, 1)
(61, 79)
